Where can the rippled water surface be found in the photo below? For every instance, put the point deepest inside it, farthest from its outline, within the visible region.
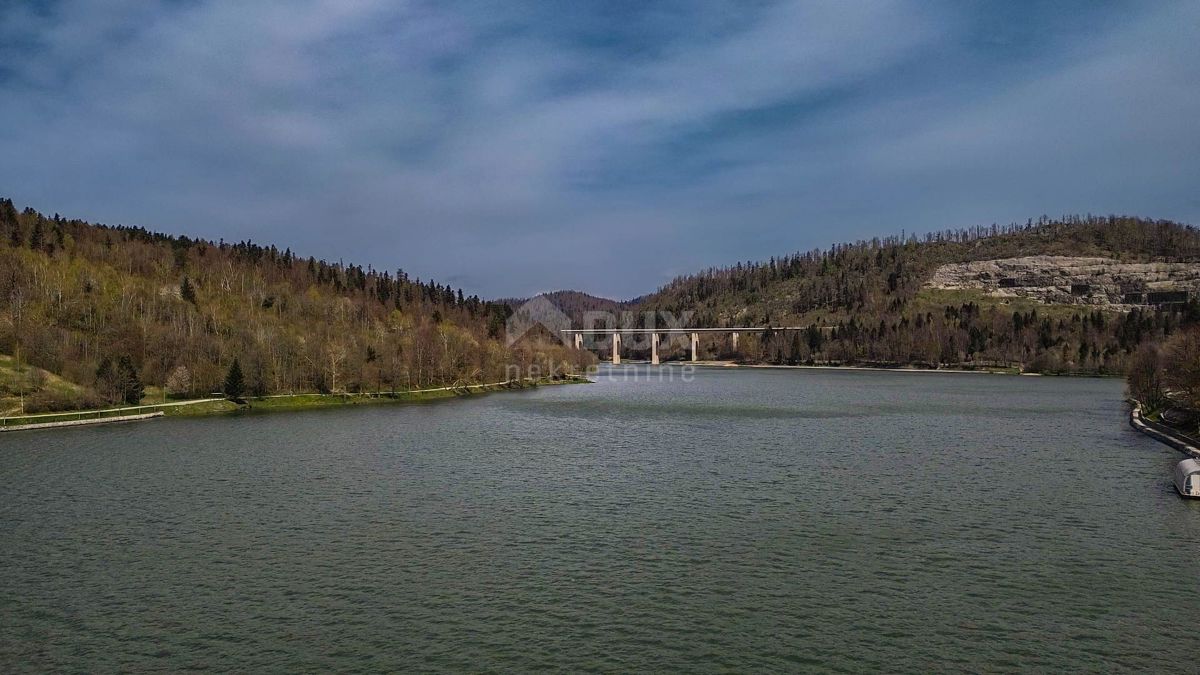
(749, 519)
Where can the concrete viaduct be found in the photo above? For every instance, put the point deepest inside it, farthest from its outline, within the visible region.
(657, 333)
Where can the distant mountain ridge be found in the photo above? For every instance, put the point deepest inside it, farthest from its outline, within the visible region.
(576, 303)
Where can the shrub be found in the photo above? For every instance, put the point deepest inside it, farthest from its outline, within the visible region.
(49, 400)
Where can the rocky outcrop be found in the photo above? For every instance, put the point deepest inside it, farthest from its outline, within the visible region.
(1067, 280)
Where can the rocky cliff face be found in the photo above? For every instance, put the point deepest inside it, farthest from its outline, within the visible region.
(1067, 280)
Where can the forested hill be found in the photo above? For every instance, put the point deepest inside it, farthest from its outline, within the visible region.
(576, 304)
(96, 304)
(876, 304)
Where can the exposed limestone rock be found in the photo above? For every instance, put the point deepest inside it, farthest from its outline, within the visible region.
(1067, 280)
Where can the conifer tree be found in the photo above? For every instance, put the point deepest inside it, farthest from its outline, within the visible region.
(235, 381)
(35, 239)
(130, 384)
(186, 291)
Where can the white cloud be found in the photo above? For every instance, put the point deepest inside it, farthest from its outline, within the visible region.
(496, 147)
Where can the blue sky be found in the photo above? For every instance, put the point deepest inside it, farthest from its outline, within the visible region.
(514, 147)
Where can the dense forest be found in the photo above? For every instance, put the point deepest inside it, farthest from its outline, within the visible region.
(119, 310)
(868, 302)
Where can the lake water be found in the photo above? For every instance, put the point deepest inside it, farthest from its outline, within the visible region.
(749, 519)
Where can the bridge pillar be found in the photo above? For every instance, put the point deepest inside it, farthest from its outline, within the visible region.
(654, 349)
(579, 341)
(616, 346)
(695, 345)
(735, 341)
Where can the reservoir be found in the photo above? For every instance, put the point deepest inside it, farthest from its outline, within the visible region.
(731, 519)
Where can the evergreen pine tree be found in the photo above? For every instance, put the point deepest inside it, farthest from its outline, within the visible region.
(131, 388)
(35, 239)
(235, 381)
(8, 220)
(187, 292)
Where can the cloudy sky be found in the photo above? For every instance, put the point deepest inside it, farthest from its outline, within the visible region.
(510, 147)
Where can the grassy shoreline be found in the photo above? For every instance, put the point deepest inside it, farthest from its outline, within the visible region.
(287, 402)
(283, 402)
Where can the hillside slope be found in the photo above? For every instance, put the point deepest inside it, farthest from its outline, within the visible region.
(178, 311)
(875, 301)
(25, 387)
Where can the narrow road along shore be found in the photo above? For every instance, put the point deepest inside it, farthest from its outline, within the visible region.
(90, 417)
(1161, 432)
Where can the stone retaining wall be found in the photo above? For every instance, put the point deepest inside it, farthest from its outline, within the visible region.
(82, 422)
(1161, 432)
